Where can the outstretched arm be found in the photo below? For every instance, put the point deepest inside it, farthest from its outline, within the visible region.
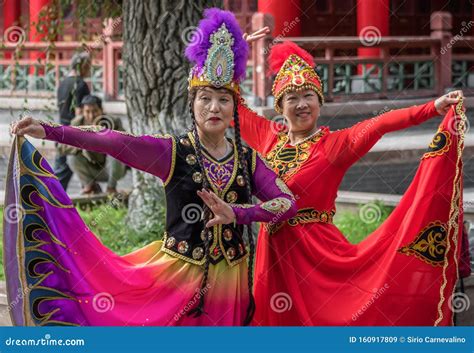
(346, 146)
(149, 153)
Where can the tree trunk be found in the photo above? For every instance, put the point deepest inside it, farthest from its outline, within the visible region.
(156, 71)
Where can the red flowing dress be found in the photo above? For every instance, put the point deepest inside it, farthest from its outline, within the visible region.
(404, 273)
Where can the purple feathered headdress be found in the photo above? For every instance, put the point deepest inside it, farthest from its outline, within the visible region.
(218, 51)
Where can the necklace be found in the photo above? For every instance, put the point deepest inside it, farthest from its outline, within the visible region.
(306, 138)
(226, 148)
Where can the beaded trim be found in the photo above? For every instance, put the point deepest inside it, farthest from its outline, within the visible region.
(283, 187)
(49, 123)
(454, 212)
(303, 216)
(242, 205)
(254, 160)
(173, 160)
(277, 205)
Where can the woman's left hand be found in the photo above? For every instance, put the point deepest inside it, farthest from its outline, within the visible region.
(252, 37)
(443, 103)
(223, 213)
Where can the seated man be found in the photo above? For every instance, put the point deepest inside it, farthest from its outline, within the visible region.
(92, 167)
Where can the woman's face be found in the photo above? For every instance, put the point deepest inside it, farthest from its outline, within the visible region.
(301, 109)
(213, 110)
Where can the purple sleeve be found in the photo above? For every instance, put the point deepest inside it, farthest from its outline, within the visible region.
(278, 202)
(152, 154)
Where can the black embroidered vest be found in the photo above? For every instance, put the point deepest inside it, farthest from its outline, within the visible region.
(184, 236)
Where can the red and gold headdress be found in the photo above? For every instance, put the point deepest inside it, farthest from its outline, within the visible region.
(294, 68)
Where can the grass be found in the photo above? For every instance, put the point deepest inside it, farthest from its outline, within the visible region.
(357, 226)
(109, 224)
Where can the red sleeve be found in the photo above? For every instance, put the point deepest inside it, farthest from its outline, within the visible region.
(255, 129)
(345, 147)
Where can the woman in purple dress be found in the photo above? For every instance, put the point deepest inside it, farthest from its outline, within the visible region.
(198, 274)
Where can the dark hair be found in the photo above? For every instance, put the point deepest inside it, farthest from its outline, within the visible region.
(78, 59)
(197, 311)
(91, 100)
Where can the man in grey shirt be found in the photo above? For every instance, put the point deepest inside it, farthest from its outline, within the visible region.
(71, 91)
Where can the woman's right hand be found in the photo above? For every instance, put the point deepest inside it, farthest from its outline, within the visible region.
(443, 103)
(253, 37)
(28, 126)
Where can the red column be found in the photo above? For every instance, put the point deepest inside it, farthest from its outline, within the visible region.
(287, 16)
(11, 18)
(372, 23)
(37, 8)
(11, 13)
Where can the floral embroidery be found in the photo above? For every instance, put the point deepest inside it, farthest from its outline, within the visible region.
(304, 215)
(280, 204)
(219, 174)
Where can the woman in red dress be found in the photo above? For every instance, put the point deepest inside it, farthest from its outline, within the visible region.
(307, 273)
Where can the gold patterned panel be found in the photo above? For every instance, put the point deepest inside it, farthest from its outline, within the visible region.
(286, 161)
(429, 245)
(235, 156)
(278, 205)
(303, 216)
(439, 145)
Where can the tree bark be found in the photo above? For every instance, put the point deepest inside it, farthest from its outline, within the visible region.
(155, 35)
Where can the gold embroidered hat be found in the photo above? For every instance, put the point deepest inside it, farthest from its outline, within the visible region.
(294, 68)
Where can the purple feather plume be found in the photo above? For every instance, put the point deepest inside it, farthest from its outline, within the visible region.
(196, 51)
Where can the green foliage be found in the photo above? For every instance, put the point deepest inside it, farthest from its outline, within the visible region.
(52, 16)
(109, 225)
(357, 226)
